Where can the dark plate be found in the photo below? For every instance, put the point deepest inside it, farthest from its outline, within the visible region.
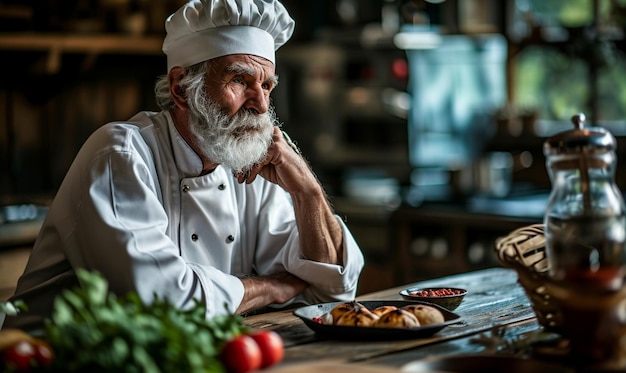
(370, 333)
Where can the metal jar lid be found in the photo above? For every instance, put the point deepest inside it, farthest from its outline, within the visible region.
(580, 140)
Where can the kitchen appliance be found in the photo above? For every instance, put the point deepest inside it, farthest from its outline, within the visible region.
(573, 265)
(585, 229)
(585, 219)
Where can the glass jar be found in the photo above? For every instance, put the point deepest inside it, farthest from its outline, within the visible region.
(585, 221)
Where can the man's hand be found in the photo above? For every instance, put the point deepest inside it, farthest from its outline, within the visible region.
(273, 289)
(283, 166)
(321, 237)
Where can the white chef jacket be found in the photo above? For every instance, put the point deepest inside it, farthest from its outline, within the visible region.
(133, 207)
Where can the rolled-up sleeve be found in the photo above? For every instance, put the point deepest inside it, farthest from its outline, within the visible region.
(278, 248)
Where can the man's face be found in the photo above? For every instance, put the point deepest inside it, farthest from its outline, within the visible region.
(233, 119)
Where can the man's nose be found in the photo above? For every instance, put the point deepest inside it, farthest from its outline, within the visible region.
(257, 100)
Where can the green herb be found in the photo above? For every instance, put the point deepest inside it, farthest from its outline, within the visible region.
(92, 330)
(12, 308)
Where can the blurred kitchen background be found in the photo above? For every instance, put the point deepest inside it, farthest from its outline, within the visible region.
(424, 119)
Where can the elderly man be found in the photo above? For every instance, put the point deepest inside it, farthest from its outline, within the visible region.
(206, 200)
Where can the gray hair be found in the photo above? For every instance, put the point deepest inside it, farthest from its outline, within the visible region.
(192, 84)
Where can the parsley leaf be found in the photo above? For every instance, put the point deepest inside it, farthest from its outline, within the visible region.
(93, 330)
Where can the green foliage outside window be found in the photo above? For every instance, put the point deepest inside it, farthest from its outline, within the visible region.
(557, 80)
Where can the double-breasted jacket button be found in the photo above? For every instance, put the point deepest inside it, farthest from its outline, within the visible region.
(230, 238)
(221, 187)
(186, 188)
(194, 237)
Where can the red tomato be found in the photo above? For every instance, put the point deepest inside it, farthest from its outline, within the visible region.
(19, 357)
(271, 345)
(241, 355)
(43, 354)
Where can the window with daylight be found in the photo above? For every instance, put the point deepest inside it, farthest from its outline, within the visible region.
(568, 56)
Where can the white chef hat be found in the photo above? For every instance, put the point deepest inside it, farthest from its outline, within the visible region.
(204, 29)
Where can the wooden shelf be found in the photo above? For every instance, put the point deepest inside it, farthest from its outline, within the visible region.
(82, 43)
(92, 45)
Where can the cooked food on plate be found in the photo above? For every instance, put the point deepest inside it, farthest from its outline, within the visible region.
(397, 318)
(425, 314)
(383, 316)
(384, 309)
(358, 316)
(343, 308)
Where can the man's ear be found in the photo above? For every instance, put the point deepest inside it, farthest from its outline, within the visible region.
(175, 75)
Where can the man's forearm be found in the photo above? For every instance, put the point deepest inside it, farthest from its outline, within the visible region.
(265, 290)
(321, 237)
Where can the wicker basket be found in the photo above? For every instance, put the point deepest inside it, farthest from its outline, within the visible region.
(524, 250)
(592, 321)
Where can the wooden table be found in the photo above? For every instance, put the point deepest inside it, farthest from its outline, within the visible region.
(494, 300)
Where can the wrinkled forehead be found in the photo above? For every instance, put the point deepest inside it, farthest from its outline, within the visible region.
(246, 65)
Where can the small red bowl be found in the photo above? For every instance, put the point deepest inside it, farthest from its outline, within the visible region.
(449, 298)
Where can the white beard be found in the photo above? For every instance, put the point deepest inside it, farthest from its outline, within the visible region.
(238, 142)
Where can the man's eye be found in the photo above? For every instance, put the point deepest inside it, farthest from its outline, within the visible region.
(238, 80)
